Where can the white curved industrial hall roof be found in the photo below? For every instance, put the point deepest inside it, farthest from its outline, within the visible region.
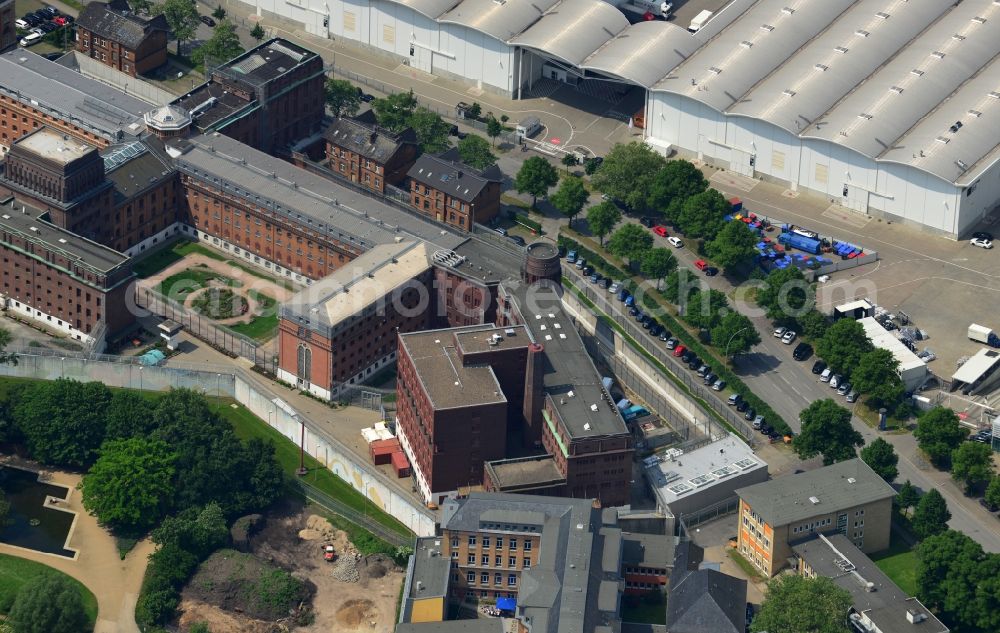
(643, 52)
(573, 29)
(430, 8)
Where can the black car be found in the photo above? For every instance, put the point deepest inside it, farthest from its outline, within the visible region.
(604, 283)
(206, 20)
(639, 316)
(742, 406)
(517, 239)
(767, 429)
(32, 19)
(694, 363)
(587, 271)
(51, 12)
(666, 335)
(647, 323)
(47, 27)
(633, 311)
(750, 414)
(710, 378)
(368, 98)
(687, 356)
(647, 222)
(818, 367)
(802, 351)
(711, 271)
(983, 235)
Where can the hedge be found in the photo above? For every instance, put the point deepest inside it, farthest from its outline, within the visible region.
(524, 220)
(680, 331)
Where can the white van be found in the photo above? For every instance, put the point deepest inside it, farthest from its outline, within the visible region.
(31, 38)
(826, 375)
(528, 127)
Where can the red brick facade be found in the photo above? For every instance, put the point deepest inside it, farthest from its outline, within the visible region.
(442, 207)
(18, 119)
(149, 55)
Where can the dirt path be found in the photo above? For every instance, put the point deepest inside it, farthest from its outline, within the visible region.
(248, 281)
(114, 582)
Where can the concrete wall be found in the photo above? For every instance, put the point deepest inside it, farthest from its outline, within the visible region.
(132, 86)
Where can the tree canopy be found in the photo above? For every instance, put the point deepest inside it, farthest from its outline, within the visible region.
(127, 415)
(705, 308)
(814, 323)
(475, 152)
(657, 263)
(972, 464)
(877, 375)
(882, 458)
(223, 46)
(803, 605)
(182, 18)
(62, 421)
(992, 495)
(627, 173)
(939, 433)
(570, 197)
(735, 334)
(785, 295)
(907, 497)
(342, 96)
(6, 357)
(493, 129)
(959, 581)
(843, 345)
(931, 516)
(48, 603)
(734, 247)
(257, 32)
(536, 176)
(393, 112)
(677, 181)
(431, 130)
(702, 214)
(603, 217)
(826, 430)
(680, 285)
(631, 242)
(131, 485)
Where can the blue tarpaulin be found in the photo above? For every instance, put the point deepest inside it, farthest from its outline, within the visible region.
(506, 604)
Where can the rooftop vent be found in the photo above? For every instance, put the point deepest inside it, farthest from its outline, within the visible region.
(882, 15)
(814, 500)
(570, 393)
(862, 33)
(979, 20)
(593, 407)
(914, 617)
(851, 480)
(956, 126)
(766, 27)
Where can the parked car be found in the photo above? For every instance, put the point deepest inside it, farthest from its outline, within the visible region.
(517, 239)
(788, 337)
(719, 385)
(679, 350)
(703, 369)
(207, 21)
(660, 230)
(802, 351)
(743, 405)
(60, 20)
(47, 27)
(671, 343)
(571, 257)
(49, 11)
(675, 241)
(604, 283)
(629, 300)
(989, 506)
(981, 243)
(648, 222)
(666, 335)
(688, 356)
(825, 375)
(580, 263)
(639, 316)
(587, 271)
(368, 98)
(615, 286)
(655, 329)
(632, 311)
(595, 277)
(750, 414)
(818, 367)
(711, 271)
(844, 388)
(22, 24)
(31, 39)
(734, 399)
(779, 331)
(647, 323)
(983, 235)
(835, 381)
(852, 396)
(700, 264)
(503, 231)
(710, 378)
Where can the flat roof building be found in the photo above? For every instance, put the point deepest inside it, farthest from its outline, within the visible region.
(912, 369)
(879, 605)
(425, 591)
(977, 374)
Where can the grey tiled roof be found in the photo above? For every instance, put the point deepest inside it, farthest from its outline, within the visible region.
(447, 173)
(703, 600)
(115, 21)
(797, 497)
(366, 139)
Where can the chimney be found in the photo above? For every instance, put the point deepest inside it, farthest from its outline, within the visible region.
(372, 137)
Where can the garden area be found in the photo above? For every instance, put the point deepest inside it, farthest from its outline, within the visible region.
(219, 303)
(29, 589)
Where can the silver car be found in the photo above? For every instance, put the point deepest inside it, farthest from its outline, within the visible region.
(852, 396)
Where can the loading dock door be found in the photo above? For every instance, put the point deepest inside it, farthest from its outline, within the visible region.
(741, 162)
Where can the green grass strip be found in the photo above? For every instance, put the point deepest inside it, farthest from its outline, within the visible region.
(15, 572)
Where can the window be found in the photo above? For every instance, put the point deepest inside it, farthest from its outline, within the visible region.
(499, 542)
(527, 545)
(486, 541)
(484, 578)
(472, 559)
(497, 579)
(498, 561)
(454, 541)
(454, 554)
(472, 541)
(526, 563)
(512, 561)
(471, 577)
(486, 560)
(511, 580)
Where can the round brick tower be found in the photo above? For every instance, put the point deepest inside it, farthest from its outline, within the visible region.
(541, 261)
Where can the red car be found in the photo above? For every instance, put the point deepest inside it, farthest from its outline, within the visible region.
(679, 350)
(59, 20)
(660, 230)
(701, 264)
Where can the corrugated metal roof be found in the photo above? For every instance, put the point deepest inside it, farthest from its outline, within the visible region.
(430, 8)
(834, 63)
(573, 29)
(502, 19)
(643, 52)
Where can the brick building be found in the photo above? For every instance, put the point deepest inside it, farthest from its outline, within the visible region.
(267, 98)
(8, 31)
(36, 92)
(360, 151)
(848, 498)
(446, 190)
(145, 196)
(70, 284)
(117, 37)
(646, 562)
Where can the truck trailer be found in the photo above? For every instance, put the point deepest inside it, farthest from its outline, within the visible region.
(699, 21)
(983, 334)
(801, 242)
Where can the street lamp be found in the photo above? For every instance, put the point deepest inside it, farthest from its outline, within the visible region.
(726, 353)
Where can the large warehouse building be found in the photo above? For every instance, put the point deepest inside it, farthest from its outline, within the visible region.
(888, 107)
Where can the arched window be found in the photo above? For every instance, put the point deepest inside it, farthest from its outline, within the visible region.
(305, 363)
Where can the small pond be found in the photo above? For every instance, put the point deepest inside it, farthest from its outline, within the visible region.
(32, 525)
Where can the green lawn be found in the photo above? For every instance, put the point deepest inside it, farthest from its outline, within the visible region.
(247, 425)
(153, 263)
(900, 564)
(644, 612)
(14, 572)
(179, 285)
(263, 326)
(748, 568)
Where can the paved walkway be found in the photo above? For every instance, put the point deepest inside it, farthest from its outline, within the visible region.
(114, 582)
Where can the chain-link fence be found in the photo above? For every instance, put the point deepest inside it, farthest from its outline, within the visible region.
(335, 506)
(204, 329)
(654, 347)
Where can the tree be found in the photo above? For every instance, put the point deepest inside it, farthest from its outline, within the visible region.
(630, 241)
(931, 516)
(48, 603)
(627, 173)
(677, 181)
(603, 217)
(493, 129)
(590, 166)
(131, 485)
(939, 433)
(474, 110)
(705, 308)
(536, 176)
(141, 6)
(972, 464)
(826, 430)
(62, 421)
(127, 415)
(223, 46)
(785, 294)
(944, 563)
(734, 247)
(803, 605)
(570, 197)
(735, 334)
(393, 112)
(431, 130)
(680, 285)
(907, 497)
(5, 357)
(475, 152)
(876, 374)
(199, 531)
(702, 214)
(657, 264)
(182, 18)
(993, 492)
(814, 323)
(569, 160)
(882, 458)
(257, 32)
(342, 97)
(843, 345)
(219, 13)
